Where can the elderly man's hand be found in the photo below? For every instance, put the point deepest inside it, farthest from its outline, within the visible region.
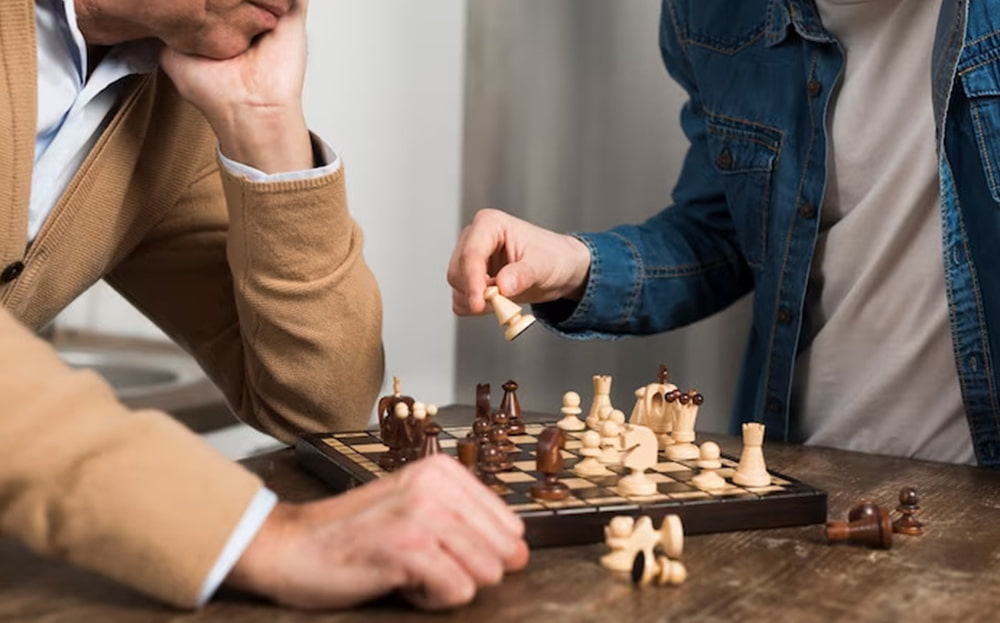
(253, 101)
(430, 530)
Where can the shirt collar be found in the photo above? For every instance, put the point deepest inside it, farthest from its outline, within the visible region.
(132, 57)
(801, 14)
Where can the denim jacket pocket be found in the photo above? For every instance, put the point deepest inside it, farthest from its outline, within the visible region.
(981, 82)
(745, 154)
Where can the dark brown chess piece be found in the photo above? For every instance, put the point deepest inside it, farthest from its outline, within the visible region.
(391, 428)
(909, 506)
(500, 421)
(498, 438)
(491, 460)
(549, 462)
(431, 445)
(510, 405)
(468, 453)
(662, 374)
(481, 431)
(873, 530)
(864, 508)
(483, 408)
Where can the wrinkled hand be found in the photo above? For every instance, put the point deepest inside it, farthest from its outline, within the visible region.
(527, 263)
(253, 101)
(431, 530)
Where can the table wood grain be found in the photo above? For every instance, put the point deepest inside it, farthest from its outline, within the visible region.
(952, 573)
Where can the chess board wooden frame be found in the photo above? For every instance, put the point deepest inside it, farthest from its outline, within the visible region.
(345, 460)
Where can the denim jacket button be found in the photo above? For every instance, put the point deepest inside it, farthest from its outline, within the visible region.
(12, 272)
(807, 210)
(814, 88)
(773, 405)
(785, 315)
(725, 160)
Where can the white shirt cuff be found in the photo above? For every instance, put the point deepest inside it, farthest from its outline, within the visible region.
(324, 154)
(250, 524)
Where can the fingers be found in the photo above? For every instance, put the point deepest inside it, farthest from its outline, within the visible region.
(469, 268)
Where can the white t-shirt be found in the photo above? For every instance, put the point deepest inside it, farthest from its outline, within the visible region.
(878, 373)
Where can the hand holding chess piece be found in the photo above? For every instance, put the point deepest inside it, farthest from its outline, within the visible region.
(508, 313)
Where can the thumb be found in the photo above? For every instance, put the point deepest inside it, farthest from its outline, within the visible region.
(513, 279)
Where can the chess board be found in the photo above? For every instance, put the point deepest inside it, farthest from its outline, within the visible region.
(345, 460)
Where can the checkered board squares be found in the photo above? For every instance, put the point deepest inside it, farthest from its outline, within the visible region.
(345, 460)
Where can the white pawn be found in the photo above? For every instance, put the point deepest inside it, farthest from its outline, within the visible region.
(610, 443)
(508, 313)
(670, 572)
(709, 479)
(617, 536)
(752, 470)
(570, 410)
(591, 450)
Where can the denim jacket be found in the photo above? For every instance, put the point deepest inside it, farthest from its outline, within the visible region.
(746, 208)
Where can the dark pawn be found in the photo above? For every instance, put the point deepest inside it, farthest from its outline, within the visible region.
(468, 453)
(909, 506)
(549, 461)
(490, 461)
(431, 445)
(500, 423)
(481, 431)
(498, 438)
(512, 407)
(864, 508)
(874, 530)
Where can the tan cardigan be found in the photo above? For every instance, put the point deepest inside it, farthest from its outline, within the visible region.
(263, 283)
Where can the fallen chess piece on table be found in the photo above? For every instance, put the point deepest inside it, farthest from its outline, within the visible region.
(872, 526)
(633, 544)
(508, 313)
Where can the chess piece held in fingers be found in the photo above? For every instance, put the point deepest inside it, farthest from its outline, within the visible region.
(508, 313)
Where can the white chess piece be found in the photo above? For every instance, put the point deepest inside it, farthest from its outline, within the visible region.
(508, 313)
(610, 443)
(708, 478)
(752, 470)
(640, 455)
(602, 398)
(672, 536)
(616, 535)
(591, 450)
(570, 410)
(684, 407)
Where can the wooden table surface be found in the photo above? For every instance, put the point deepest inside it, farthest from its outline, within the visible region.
(952, 573)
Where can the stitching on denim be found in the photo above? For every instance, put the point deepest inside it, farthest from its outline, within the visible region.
(983, 338)
(677, 31)
(712, 47)
(689, 270)
(633, 298)
(942, 88)
(784, 261)
(991, 57)
(740, 121)
(980, 133)
(740, 135)
(983, 38)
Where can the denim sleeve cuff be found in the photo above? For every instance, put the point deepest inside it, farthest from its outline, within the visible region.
(327, 162)
(610, 298)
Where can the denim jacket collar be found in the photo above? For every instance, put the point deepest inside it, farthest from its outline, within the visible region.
(802, 14)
